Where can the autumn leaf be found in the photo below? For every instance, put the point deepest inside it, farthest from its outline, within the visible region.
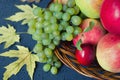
(24, 58)
(26, 14)
(8, 35)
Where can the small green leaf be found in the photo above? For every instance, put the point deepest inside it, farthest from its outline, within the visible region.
(91, 25)
(8, 35)
(78, 45)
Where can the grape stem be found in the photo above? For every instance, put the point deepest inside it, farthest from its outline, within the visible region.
(22, 33)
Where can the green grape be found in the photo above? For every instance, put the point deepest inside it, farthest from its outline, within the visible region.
(42, 57)
(43, 60)
(71, 3)
(38, 48)
(56, 41)
(58, 37)
(58, 15)
(40, 19)
(69, 29)
(63, 36)
(39, 32)
(52, 7)
(55, 58)
(44, 36)
(53, 19)
(46, 23)
(57, 64)
(56, 33)
(77, 30)
(47, 29)
(71, 11)
(66, 16)
(39, 25)
(47, 14)
(36, 36)
(37, 11)
(77, 9)
(32, 23)
(76, 20)
(41, 54)
(54, 26)
(46, 41)
(50, 60)
(46, 67)
(31, 30)
(69, 36)
(65, 8)
(51, 46)
(54, 70)
(57, 7)
(51, 36)
(60, 28)
(48, 52)
(64, 24)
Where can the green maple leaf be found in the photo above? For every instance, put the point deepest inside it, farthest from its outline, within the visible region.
(24, 58)
(26, 14)
(8, 35)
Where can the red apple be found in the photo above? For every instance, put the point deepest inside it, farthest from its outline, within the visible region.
(92, 36)
(108, 52)
(110, 16)
(85, 56)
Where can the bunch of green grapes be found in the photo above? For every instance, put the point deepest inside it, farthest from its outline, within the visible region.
(56, 23)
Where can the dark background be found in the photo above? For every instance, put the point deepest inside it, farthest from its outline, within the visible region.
(7, 8)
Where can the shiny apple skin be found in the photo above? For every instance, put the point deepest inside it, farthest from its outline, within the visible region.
(85, 56)
(108, 52)
(110, 16)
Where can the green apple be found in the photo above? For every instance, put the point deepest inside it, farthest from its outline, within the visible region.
(91, 8)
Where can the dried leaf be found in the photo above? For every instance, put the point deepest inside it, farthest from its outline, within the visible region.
(26, 14)
(24, 58)
(8, 35)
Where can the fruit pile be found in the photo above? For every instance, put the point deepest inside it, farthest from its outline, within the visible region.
(100, 36)
(92, 26)
(94, 31)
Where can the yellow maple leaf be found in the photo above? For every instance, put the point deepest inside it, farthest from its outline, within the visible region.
(24, 58)
(26, 14)
(8, 35)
